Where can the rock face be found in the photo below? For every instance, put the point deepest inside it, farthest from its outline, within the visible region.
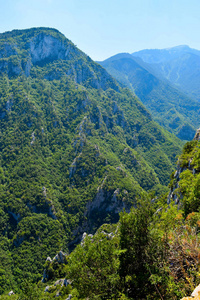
(59, 282)
(173, 195)
(11, 293)
(47, 45)
(101, 203)
(60, 258)
(195, 294)
(8, 50)
(197, 135)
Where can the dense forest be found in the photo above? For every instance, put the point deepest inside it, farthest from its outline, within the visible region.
(169, 105)
(87, 208)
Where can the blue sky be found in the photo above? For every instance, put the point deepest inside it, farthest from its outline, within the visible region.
(102, 28)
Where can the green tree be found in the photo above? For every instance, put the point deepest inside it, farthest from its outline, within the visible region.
(93, 267)
(142, 257)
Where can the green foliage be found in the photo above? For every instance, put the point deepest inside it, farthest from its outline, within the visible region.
(169, 107)
(75, 149)
(93, 266)
(143, 253)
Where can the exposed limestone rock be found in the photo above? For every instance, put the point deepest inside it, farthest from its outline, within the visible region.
(81, 126)
(9, 104)
(33, 138)
(109, 236)
(78, 144)
(106, 201)
(98, 200)
(46, 47)
(11, 293)
(61, 282)
(52, 211)
(8, 50)
(173, 196)
(73, 166)
(195, 294)
(6, 66)
(44, 191)
(197, 135)
(60, 257)
(9, 67)
(49, 259)
(47, 288)
(116, 205)
(84, 236)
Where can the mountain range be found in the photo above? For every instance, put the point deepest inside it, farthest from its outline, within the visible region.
(76, 148)
(166, 81)
(179, 65)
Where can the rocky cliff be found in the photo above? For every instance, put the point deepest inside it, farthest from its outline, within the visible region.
(38, 47)
(184, 181)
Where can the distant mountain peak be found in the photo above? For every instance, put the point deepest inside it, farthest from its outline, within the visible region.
(180, 47)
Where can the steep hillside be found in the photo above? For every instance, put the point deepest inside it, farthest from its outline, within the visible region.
(151, 253)
(185, 180)
(180, 65)
(169, 107)
(75, 149)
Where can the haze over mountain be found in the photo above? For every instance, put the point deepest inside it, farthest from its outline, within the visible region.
(169, 106)
(180, 65)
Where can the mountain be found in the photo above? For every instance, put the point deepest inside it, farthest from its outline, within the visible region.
(179, 65)
(170, 107)
(154, 56)
(76, 148)
(151, 253)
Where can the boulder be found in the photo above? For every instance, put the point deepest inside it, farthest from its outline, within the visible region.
(11, 293)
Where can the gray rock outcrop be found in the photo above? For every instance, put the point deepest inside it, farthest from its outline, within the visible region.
(60, 257)
(11, 293)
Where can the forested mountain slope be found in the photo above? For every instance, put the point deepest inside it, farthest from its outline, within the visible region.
(75, 149)
(151, 253)
(180, 65)
(169, 107)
